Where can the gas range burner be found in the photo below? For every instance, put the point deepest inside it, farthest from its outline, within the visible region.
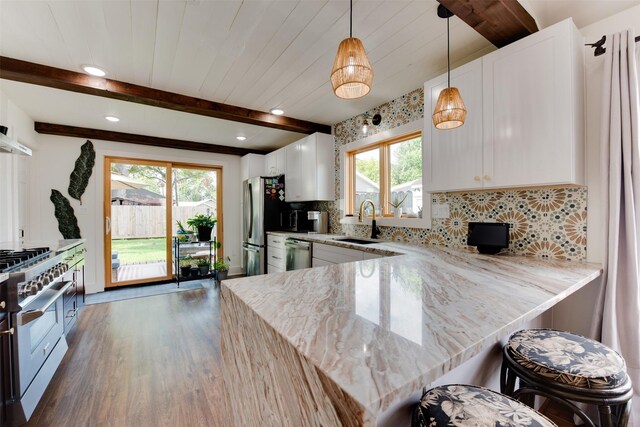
(15, 260)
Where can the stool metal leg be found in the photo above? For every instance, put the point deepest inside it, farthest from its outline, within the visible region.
(532, 392)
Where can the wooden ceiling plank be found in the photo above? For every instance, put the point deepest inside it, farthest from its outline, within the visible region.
(289, 64)
(117, 16)
(94, 31)
(167, 36)
(143, 41)
(272, 20)
(499, 21)
(205, 27)
(28, 72)
(292, 28)
(73, 32)
(131, 138)
(249, 18)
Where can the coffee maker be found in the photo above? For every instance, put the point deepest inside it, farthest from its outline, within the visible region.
(319, 222)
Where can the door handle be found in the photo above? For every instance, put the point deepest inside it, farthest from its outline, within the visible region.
(107, 225)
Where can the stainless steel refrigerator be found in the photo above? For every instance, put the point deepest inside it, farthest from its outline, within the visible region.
(262, 200)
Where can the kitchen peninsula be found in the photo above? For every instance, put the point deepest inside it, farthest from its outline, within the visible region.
(343, 344)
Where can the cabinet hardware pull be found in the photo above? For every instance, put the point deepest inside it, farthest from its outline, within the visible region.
(487, 177)
(276, 257)
(476, 178)
(72, 313)
(8, 332)
(46, 347)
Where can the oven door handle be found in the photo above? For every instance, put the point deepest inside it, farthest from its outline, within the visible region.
(31, 315)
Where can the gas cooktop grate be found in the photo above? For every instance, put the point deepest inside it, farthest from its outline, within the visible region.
(15, 260)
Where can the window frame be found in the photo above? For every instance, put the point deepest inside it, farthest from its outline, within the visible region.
(348, 218)
(385, 171)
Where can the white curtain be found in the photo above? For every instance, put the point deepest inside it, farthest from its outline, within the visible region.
(620, 155)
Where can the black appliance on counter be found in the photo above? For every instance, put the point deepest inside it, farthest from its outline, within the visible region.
(41, 307)
(489, 237)
(295, 220)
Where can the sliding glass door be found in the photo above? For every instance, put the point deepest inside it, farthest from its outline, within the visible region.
(144, 202)
(137, 244)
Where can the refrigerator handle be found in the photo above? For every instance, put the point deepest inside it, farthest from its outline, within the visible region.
(250, 212)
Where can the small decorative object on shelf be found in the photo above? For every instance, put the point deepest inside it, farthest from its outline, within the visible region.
(397, 203)
(185, 235)
(203, 224)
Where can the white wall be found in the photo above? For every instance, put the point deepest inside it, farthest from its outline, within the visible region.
(54, 161)
(575, 312)
(13, 171)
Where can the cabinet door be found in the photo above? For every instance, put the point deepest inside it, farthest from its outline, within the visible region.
(271, 164)
(529, 107)
(308, 175)
(281, 161)
(293, 178)
(453, 158)
(325, 167)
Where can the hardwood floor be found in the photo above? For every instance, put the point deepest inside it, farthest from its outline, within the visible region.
(144, 362)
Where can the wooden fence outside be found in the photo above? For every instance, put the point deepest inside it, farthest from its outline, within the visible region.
(148, 221)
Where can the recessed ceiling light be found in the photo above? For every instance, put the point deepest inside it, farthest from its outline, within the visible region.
(112, 118)
(277, 112)
(94, 71)
(241, 138)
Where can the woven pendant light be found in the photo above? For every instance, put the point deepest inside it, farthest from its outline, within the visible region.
(351, 75)
(450, 111)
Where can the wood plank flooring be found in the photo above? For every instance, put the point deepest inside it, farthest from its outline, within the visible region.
(145, 362)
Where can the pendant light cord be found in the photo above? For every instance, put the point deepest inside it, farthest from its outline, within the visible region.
(350, 18)
(448, 60)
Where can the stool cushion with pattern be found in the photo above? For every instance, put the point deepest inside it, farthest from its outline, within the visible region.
(464, 405)
(567, 358)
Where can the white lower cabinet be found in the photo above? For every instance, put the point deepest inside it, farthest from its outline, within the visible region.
(329, 254)
(275, 254)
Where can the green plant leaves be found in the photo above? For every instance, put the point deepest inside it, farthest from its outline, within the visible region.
(67, 222)
(79, 178)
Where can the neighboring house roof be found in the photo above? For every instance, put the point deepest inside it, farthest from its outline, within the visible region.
(136, 196)
(205, 202)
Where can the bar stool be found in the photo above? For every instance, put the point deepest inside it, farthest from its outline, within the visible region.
(449, 405)
(567, 368)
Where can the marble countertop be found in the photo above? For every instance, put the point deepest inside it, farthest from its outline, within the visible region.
(382, 329)
(3, 277)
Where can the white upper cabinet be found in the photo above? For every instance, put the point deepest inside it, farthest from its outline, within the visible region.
(525, 122)
(310, 169)
(456, 154)
(251, 165)
(533, 110)
(275, 162)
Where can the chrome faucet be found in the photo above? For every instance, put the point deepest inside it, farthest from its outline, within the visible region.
(374, 228)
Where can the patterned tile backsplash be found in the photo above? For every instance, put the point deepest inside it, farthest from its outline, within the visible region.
(545, 222)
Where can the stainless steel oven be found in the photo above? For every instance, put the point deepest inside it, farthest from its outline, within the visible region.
(35, 301)
(37, 332)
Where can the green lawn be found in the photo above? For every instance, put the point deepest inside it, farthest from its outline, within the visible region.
(135, 251)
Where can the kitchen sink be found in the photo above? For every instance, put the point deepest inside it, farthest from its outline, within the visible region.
(352, 240)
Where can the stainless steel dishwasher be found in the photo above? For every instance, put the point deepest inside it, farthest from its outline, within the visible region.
(297, 254)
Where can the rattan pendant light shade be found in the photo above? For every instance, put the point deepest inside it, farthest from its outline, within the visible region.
(450, 111)
(351, 76)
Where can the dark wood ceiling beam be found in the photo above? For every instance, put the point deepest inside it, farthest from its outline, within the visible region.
(29, 72)
(499, 21)
(132, 138)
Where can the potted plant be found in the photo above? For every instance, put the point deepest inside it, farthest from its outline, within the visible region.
(185, 267)
(203, 224)
(397, 203)
(221, 267)
(203, 266)
(184, 235)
